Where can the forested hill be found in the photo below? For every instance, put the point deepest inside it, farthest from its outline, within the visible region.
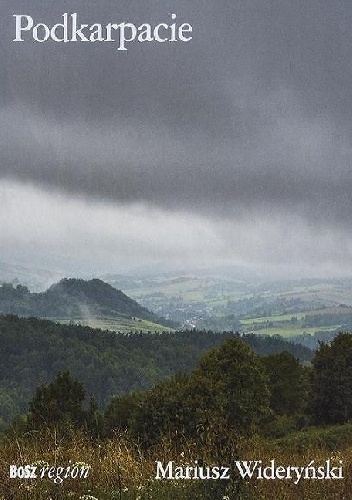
(33, 351)
(73, 298)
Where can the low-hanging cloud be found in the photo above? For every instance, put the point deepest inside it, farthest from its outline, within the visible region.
(65, 233)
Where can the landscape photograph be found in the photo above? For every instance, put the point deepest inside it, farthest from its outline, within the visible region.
(175, 250)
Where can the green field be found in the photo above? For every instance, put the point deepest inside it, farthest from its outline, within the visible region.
(291, 331)
(283, 325)
(119, 324)
(278, 318)
(191, 289)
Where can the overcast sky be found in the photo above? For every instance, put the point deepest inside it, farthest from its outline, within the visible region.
(232, 149)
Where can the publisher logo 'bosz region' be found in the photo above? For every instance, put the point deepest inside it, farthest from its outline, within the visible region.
(70, 30)
(43, 470)
(251, 469)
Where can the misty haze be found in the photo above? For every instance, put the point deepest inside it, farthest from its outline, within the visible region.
(231, 150)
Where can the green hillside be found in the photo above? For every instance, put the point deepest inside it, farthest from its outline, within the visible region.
(33, 351)
(86, 302)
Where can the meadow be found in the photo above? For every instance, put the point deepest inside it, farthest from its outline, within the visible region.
(121, 469)
(115, 324)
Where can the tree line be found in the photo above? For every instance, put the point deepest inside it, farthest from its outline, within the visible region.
(231, 390)
(33, 351)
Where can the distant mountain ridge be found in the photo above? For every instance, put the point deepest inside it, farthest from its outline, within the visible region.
(73, 298)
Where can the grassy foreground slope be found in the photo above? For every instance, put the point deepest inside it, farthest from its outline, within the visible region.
(120, 470)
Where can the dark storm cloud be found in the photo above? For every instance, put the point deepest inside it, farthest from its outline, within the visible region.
(253, 115)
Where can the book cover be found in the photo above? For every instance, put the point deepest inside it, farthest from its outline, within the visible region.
(180, 173)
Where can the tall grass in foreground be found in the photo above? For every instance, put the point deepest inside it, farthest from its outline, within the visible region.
(120, 469)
